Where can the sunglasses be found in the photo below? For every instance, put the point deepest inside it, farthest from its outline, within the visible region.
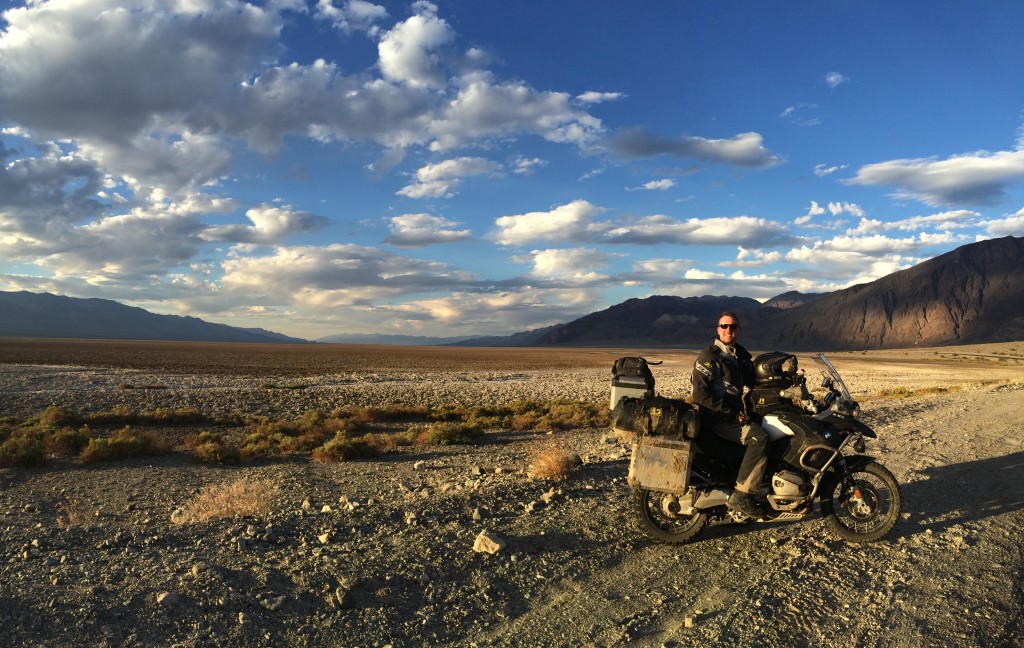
(734, 327)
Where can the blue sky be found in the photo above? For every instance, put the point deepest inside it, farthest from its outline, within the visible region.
(474, 167)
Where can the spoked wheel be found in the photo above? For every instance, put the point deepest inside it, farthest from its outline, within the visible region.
(864, 508)
(660, 518)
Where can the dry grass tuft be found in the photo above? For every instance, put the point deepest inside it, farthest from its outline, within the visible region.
(244, 496)
(552, 462)
(75, 512)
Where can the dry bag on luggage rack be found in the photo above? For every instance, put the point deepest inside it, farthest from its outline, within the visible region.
(656, 416)
(631, 376)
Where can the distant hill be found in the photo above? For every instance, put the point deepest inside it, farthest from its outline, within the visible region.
(384, 338)
(974, 294)
(26, 314)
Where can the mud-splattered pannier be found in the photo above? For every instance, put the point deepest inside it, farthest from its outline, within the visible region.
(631, 377)
(656, 416)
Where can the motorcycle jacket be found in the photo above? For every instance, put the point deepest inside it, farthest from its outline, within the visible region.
(719, 376)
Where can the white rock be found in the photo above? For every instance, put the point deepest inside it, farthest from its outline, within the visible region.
(488, 542)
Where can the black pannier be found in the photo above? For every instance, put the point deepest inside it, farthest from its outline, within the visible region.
(656, 415)
(631, 376)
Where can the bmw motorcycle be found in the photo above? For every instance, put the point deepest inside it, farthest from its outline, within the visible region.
(816, 454)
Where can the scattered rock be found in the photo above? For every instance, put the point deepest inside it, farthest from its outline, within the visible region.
(488, 542)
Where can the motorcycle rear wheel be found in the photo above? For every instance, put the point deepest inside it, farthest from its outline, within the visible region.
(661, 524)
(871, 516)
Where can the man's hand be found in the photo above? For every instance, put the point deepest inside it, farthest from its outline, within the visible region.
(742, 417)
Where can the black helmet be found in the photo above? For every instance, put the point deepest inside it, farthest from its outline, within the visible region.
(774, 369)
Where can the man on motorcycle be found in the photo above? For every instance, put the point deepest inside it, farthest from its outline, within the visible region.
(721, 376)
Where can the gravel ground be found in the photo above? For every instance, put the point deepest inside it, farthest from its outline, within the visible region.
(89, 554)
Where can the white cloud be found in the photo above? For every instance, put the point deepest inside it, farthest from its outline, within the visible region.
(575, 265)
(814, 210)
(837, 208)
(738, 230)
(834, 79)
(747, 258)
(576, 223)
(353, 15)
(599, 97)
(1012, 225)
(408, 51)
(331, 276)
(950, 220)
(526, 166)
(443, 178)
(977, 178)
(659, 185)
(483, 109)
(573, 221)
(418, 230)
(822, 170)
(745, 149)
(270, 224)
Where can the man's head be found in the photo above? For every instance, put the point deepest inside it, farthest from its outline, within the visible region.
(728, 327)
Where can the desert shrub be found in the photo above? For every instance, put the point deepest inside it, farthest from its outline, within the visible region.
(123, 444)
(209, 447)
(22, 448)
(448, 433)
(75, 512)
(173, 415)
(552, 462)
(342, 448)
(244, 496)
(118, 414)
(67, 442)
(381, 442)
(57, 417)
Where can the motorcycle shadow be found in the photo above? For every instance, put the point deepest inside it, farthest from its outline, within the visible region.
(961, 493)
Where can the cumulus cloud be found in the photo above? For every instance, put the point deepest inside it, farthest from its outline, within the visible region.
(837, 208)
(1012, 225)
(835, 79)
(483, 109)
(949, 220)
(574, 265)
(570, 222)
(443, 178)
(331, 276)
(745, 149)
(110, 80)
(974, 179)
(577, 222)
(419, 230)
(408, 52)
(814, 210)
(270, 224)
(353, 15)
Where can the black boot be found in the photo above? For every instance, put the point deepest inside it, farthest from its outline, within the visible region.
(747, 504)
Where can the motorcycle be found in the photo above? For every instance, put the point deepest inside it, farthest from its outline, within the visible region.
(816, 454)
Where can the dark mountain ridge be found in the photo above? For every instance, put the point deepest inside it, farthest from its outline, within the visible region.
(42, 315)
(973, 294)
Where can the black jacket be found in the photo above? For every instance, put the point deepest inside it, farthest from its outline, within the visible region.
(718, 380)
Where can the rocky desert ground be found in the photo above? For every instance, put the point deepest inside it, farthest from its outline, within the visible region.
(384, 551)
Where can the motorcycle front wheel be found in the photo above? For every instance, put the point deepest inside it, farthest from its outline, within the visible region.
(660, 519)
(865, 507)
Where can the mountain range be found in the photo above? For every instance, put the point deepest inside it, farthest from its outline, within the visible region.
(974, 294)
(42, 315)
